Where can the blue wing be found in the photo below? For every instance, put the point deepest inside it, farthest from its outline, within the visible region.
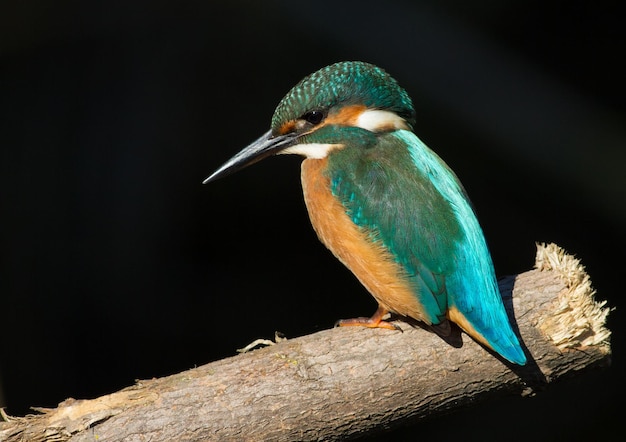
(412, 202)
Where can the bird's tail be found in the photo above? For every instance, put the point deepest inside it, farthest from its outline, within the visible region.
(493, 331)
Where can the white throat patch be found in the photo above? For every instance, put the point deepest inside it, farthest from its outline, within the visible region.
(313, 150)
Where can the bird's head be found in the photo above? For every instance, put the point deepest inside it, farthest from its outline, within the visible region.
(318, 114)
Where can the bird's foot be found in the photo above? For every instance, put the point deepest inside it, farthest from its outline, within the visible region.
(366, 322)
(376, 321)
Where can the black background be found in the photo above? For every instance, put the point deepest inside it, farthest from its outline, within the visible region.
(116, 264)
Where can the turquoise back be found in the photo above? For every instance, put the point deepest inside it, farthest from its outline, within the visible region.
(399, 191)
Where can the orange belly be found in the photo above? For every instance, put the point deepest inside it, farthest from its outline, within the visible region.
(371, 262)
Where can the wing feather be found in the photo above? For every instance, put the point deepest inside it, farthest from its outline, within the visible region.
(411, 202)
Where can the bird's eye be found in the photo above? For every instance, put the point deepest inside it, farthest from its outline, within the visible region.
(314, 117)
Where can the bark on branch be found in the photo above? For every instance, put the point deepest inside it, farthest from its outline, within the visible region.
(345, 382)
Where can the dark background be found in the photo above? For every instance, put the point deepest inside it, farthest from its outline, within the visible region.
(117, 264)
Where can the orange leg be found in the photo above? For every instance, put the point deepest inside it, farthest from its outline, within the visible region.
(376, 321)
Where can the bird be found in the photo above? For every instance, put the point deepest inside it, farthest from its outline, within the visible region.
(386, 205)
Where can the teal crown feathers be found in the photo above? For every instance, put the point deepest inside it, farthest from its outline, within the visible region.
(343, 84)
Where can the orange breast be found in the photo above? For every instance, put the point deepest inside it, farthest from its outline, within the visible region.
(370, 261)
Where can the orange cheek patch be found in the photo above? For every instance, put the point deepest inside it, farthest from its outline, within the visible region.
(347, 116)
(287, 127)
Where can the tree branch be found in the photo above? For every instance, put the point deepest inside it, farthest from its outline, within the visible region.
(345, 382)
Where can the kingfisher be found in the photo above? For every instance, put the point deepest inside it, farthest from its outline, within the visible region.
(386, 205)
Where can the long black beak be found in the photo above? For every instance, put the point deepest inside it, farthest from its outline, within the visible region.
(262, 148)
